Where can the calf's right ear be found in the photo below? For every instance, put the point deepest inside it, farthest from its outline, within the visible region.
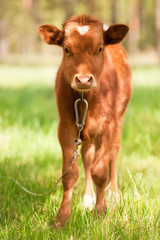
(51, 34)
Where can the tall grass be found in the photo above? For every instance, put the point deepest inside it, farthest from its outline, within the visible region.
(30, 153)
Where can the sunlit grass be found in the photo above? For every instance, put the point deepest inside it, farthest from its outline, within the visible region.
(148, 76)
(19, 76)
(30, 153)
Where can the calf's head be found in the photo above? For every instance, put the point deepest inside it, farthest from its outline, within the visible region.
(83, 39)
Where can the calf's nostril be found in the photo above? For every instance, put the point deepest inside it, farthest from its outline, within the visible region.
(77, 79)
(90, 79)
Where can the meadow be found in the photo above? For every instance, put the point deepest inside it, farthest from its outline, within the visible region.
(30, 153)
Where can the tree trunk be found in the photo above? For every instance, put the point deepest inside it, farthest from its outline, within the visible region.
(134, 24)
(69, 8)
(158, 27)
(4, 45)
(114, 11)
(27, 4)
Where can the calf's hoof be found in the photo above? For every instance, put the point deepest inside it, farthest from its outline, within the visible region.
(60, 223)
(62, 218)
(101, 209)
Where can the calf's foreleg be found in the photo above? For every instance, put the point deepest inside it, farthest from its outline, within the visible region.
(66, 135)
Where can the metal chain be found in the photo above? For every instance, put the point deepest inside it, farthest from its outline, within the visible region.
(75, 152)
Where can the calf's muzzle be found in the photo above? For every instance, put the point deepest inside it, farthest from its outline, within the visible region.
(83, 82)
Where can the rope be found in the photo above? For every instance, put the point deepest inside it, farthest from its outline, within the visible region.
(75, 153)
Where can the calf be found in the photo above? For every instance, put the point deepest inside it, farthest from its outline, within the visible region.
(93, 63)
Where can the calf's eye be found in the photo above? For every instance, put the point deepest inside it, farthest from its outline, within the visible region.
(66, 50)
(100, 49)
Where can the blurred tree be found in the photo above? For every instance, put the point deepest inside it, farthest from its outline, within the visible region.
(4, 42)
(114, 11)
(147, 24)
(69, 8)
(134, 24)
(19, 20)
(27, 4)
(158, 26)
(91, 6)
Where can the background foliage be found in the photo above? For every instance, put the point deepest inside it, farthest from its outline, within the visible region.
(19, 20)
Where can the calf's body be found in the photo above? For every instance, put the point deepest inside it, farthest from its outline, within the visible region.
(93, 63)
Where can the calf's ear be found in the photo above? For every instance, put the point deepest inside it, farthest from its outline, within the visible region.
(51, 34)
(115, 33)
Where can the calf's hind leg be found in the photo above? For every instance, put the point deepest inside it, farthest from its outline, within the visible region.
(99, 174)
(88, 156)
(112, 181)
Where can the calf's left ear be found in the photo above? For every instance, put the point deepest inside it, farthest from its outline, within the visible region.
(51, 34)
(115, 33)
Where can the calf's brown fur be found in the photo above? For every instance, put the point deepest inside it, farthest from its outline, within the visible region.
(94, 62)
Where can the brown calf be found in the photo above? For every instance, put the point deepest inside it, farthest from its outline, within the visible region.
(94, 63)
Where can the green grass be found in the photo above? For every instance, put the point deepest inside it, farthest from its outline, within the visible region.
(30, 153)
